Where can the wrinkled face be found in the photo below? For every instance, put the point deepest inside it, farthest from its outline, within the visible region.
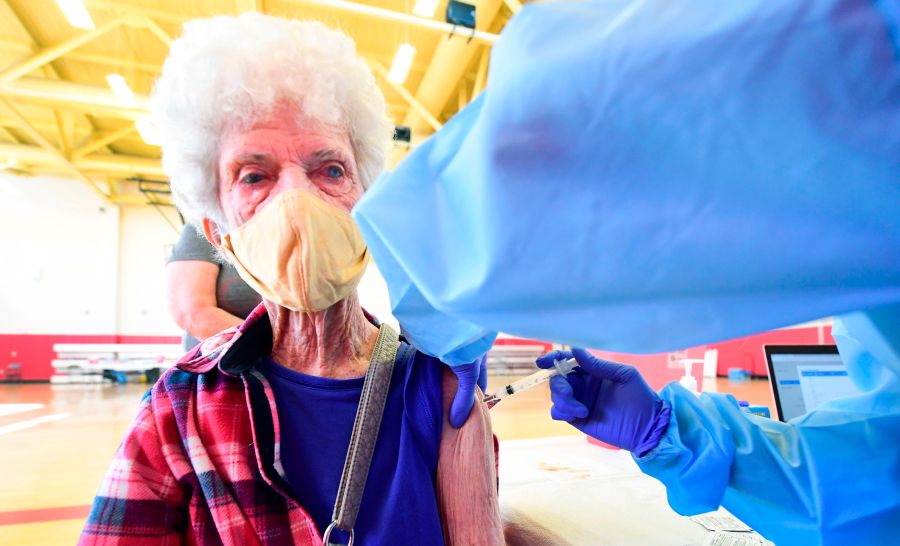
(280, 154)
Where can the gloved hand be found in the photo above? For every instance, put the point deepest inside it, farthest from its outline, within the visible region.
(608, 401)
(468, 375)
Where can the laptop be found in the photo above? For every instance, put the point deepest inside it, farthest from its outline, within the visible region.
(803, 377)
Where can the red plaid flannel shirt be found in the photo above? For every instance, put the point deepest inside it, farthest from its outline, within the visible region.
(200, 464)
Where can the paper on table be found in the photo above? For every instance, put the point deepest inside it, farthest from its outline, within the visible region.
(728, 538)
(720, 521)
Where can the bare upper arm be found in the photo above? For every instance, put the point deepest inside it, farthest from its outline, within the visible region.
(467, 476)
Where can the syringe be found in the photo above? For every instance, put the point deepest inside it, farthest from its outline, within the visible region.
(560, 367)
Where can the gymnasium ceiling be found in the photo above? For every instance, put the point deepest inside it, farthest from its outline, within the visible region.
(59, 116)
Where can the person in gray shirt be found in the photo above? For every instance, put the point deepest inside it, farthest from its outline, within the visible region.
(204, 295)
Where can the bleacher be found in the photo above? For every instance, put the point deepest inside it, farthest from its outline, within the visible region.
(111, 362)
(511, 355)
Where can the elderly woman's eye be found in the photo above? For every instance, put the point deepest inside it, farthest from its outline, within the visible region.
(334, 171)
(252, 178)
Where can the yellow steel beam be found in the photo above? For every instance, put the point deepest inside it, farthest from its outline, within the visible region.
(243, 6)
(44, 126)
(514, 5)
(85, 98)
(79, 97)
(112, 164)
(463, 95)
(76, 97)
(101, 140)
(132, 200)
(16, 46)
(52, 53)
(481, 73)
(13, 46)
(35, 135)
(478, 35)
(121, 165)
(120, 63)
(119, 8)
(151, 25)
(27, 154)
(415, 104)
(64, 145)
(70, 128)
(152, 68)
(110, 187)
(449, 63)
(115, 62)
(5, 133)
(35, 48)
(62, 137)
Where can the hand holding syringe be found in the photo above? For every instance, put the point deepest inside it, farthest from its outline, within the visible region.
(560, 367)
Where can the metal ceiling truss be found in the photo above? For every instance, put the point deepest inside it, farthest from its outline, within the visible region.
(379, 69)
(14, 85)
(72, 103)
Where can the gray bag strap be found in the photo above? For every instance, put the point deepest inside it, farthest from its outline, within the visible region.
(365, 433)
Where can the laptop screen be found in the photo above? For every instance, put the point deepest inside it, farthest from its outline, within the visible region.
(804, 377)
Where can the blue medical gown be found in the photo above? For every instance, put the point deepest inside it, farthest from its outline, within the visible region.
(831, 476)
(651, 175)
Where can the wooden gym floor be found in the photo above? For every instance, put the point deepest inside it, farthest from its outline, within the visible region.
(56, 443)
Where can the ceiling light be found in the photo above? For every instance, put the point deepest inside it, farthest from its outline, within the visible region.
(8, 187)
(425, 8)
(76, 13)
(121, 90)
(402, 63)
(148, 132)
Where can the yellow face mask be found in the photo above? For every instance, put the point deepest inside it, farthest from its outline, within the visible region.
(299, 252)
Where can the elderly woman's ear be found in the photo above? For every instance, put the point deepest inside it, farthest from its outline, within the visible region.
(212, 233)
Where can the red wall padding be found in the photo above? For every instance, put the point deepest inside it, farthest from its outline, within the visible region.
(745, 352)
(35, 352)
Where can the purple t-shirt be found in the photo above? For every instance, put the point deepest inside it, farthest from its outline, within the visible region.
(316, 414)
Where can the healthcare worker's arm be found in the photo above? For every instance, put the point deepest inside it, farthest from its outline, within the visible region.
(467, 476)
(191, 297)
(830, 477)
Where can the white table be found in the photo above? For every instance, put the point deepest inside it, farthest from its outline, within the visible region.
(565, 491)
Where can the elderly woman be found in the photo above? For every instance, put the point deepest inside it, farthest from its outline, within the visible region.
(272, 129)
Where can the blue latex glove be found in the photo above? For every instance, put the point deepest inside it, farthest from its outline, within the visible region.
(469, 375)
(608, 401)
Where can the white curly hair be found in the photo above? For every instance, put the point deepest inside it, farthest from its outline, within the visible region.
(226, 72)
